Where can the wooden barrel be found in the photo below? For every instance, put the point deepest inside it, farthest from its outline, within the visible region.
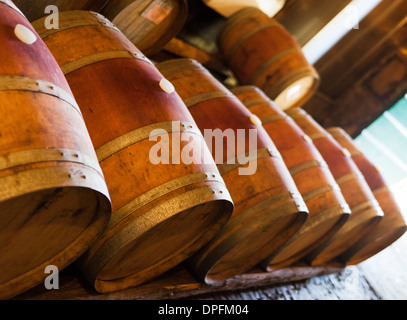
(35, 9)
(163, 209)
(365, 211)
(328, 210)
(392, 226)
(54, 200)
(261, 52)
(268, 206)
(148, 24)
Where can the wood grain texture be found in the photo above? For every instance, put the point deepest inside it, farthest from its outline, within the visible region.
(162, 211)
(266, 213)
(148, 24)
(54, 199)
(392, 226)
(261, 52)
(35, 9)
(381, 277)
(365, 211)
(305, 19)
(177, 283)
(328, 210)
(366, 68)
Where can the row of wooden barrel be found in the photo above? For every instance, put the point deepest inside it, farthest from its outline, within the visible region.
(79, 105)
(148, 24)
(258, 49)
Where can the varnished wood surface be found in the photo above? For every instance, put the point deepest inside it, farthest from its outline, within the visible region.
(382, 277)
(392, 225)
(267, 211)
(365, 211)
(261, 52)
(54, 200)
(328, 210)
(367, 67)
(162, 212)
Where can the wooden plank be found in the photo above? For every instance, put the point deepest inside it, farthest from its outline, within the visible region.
(389, 79)
(304, 19)
(382, 277)
(350, 284)
(358, 51)
(353, 111)
(175, 284)
(386, 271)
(364, 73)
(183, 49)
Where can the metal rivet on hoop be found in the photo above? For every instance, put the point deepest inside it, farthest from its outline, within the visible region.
(24, 34)
(166, 86)
(346, 152)
(307, 138)
(255, 120)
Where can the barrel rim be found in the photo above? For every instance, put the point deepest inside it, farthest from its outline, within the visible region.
(76, 248)
(270, 209)
(176, 26)
(93, 263)
(338, 212)
(235, 18)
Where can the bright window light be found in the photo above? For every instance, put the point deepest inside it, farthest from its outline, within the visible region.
(384, 142)
(346, 20)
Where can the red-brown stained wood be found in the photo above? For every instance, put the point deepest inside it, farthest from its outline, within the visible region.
(54, 200)
(162, 212)
(148, 24)
(392, 226)
(365, 211)
(263, 53)
(35, 9)
(268, 206)
(328, 210)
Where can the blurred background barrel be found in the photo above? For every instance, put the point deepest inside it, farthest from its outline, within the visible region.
(163, 209)
(148, 24)
(261, 52)
(34, 10)
(392, 226)
(268, 206)
(365, 211)
(53, 201)
(328, 210)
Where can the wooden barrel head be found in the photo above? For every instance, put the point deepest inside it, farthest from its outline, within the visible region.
(54, 201)
(392, 226)
(267, 211)
(263, 53)
(365, 210)
(50, 223)
(164, 209)
(328, 210)
(148, 24)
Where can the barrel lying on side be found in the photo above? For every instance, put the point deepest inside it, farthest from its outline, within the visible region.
(54, 200)
(263, 53)
(163, 209)
(268, 206)
(328, 210)
(36, 9)
(148, 24)
(392, 226)
(365, 211)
